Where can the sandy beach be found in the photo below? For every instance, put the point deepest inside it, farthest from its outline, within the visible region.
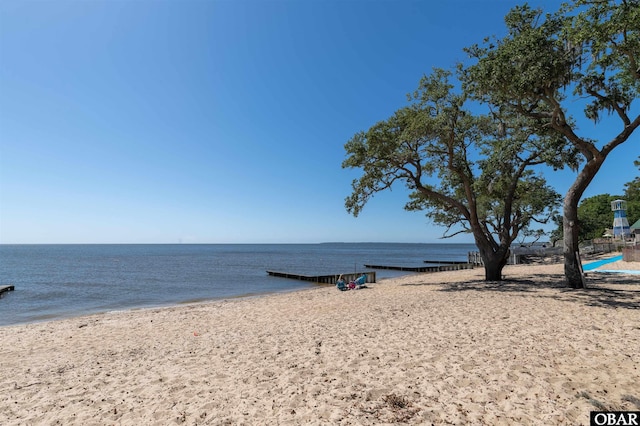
(440, 348)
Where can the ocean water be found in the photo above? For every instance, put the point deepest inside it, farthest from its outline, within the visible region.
(60, 281)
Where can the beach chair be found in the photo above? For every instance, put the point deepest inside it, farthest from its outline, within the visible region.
(341, 285)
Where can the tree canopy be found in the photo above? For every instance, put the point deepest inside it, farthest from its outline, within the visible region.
(470, 173)
(586, 53)
(473, 173)
(632, 188)
(595, 216)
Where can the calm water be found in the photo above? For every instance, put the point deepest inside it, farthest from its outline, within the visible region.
(58, 281)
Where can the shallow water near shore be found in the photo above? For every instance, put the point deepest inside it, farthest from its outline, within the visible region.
(58, 281)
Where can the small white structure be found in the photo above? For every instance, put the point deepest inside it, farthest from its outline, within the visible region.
(620, 222)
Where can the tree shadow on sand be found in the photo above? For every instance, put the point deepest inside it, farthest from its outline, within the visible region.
(603, 290)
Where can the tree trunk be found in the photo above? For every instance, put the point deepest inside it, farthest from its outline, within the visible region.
(494, 259)
(570, 223)
(571, 228)
(493, 267)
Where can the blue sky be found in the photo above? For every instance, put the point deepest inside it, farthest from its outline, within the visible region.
(219, 121)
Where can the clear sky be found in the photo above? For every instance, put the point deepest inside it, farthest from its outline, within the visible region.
(206, 121)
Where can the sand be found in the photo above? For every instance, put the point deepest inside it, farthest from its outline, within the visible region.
(439, 348)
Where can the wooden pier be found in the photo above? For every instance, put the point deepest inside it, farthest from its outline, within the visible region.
(324, 279)
(476, 259)
(447, 266)
(4, 288)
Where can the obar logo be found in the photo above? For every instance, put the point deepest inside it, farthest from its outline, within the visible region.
(615, 418)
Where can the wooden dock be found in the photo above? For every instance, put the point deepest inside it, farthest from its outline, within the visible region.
(4, 288)
(449, 266)
(476, 259)
(324, 279)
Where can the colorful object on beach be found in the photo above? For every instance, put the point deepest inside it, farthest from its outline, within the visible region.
(341, 285)
(593, 265)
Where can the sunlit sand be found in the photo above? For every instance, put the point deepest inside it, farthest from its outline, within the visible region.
(442, 348)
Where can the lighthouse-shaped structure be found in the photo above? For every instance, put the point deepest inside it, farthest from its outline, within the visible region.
(620, 222)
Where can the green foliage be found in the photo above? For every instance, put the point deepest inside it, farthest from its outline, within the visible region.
(632, 190)
(588, 50)
(606, 36)
(474, 172)
(529, 63)
(595, 216)
(470, 173)
(632, 196)
(587, 53)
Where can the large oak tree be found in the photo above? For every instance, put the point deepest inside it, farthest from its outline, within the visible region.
(587, 53)
(470, 173)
